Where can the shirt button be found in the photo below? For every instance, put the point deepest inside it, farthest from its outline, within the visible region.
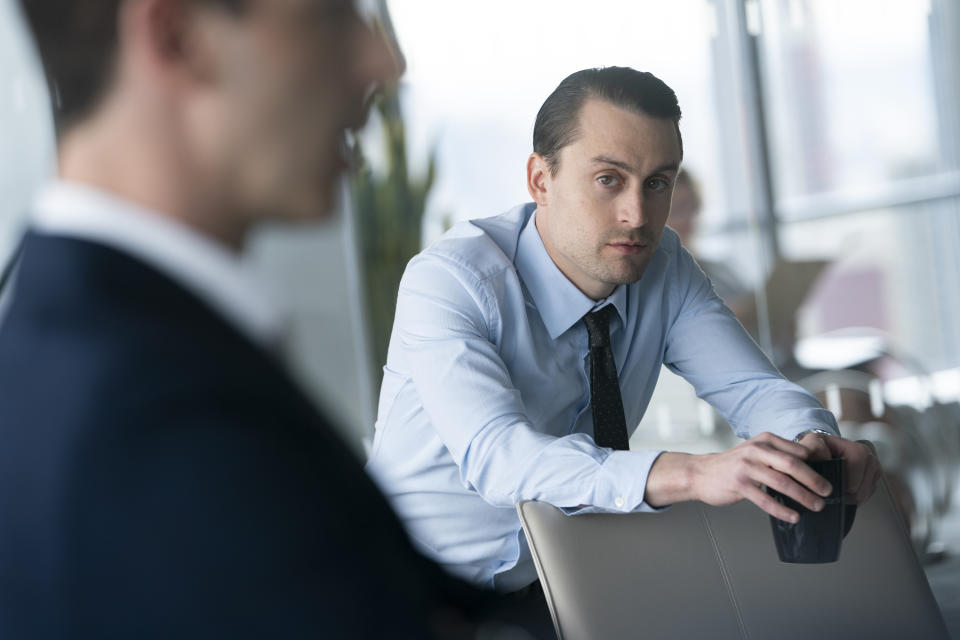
(618, 501)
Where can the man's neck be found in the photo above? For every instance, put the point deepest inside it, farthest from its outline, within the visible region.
(592, 289)
(143, 166)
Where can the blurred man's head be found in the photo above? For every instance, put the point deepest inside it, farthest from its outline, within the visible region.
(233, 109)
(606, 151)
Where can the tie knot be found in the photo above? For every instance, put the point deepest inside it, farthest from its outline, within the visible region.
(598, 326)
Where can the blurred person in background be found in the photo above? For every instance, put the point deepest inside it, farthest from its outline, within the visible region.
(526, 346)
(787, 285)
(684, 219)
(160, 474)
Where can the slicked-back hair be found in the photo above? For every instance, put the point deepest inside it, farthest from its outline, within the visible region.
(638, 91)
(77, 43)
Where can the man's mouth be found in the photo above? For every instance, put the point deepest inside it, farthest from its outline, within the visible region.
(627, 247)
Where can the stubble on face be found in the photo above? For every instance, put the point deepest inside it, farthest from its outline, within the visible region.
(616, 257)
(607, 203)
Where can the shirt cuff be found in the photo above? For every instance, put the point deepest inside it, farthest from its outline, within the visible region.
(621, 483)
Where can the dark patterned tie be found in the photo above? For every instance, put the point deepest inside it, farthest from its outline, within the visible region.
(609, 425)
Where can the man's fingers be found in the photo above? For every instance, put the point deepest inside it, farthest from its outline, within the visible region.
(766, 502)
(788, 487)
(817, 446)
(839, 447)
(857, 478)
(786, 457)
(862, 468)
(797, 469)
(777, 443)
(868, 484)
(857, 467)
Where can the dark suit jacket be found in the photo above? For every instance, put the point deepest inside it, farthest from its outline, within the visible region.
(160, 475)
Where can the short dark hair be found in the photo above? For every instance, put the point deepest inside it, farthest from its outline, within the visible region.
(77, 42)
(638, 91)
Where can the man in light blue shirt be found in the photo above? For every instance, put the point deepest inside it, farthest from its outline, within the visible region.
(486, 394)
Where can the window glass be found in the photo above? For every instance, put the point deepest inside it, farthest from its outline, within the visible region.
(886, 274)
(26, 127)
(850, 93)
(478, 73)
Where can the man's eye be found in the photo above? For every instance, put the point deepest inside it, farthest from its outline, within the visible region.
(607, 181)
(657, 184)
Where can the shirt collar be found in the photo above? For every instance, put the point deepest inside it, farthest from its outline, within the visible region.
(212, 272)
(560, 303)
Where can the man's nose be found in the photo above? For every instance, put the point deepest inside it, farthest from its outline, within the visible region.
(632, 211)
(380, 60)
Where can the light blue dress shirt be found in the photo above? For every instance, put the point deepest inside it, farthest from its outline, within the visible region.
(485, 396)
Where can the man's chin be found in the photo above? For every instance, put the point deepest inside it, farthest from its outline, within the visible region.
(322, 205)
(626, 274)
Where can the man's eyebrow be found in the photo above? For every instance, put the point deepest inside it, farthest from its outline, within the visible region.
(668, 166)
(608, 160)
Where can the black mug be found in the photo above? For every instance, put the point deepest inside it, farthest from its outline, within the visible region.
(817, 535)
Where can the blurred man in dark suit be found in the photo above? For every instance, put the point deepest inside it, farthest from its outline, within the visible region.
(160, 474)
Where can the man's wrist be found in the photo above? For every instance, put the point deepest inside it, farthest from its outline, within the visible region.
(671, 479)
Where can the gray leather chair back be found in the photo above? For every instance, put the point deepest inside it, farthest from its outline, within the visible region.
(696, 571)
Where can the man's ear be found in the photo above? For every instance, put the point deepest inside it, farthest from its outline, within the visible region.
(170, 34)
(538, 177)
